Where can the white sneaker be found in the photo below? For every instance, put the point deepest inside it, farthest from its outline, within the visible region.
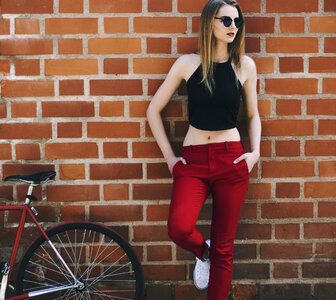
(201, 272)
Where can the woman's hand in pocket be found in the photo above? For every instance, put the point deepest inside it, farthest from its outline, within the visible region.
(251, 159)
(174, 160)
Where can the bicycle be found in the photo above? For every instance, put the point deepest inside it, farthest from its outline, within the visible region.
(72, 260)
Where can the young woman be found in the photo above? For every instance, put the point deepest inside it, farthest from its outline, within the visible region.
(213, 159)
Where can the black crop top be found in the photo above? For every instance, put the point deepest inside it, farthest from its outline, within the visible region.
(217, 111)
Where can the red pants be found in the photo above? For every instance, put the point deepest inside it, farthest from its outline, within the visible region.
(209, 168)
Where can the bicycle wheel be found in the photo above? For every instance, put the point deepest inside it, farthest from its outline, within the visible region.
(99, 258)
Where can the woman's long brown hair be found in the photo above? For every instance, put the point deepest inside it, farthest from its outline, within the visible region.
(207, 41)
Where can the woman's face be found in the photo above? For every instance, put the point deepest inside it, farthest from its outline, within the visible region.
(222, 33)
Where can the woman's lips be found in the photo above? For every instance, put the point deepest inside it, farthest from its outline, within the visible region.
(231, 34)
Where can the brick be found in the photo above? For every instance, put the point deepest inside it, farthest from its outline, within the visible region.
(72, 213)
(159, 253)
(61, 109)
(4, 26)
(286, 251)
(261, 190)
(27, 88)
(250, 6)
(195, 24)
(250, 270)
(249, 211)
(151, 191)
(27, 26)
(70, 46)
(325, 290)
(324, 189)
(6, 192)
(116, 25)
(25, 131)
(26, 47)
(252, 44)
(266, 148)
(160, 24)
(285, 270)
(157, 170)
(115, 149)
(158, 45)
(116, 45)
(320, 148)
(159, 6)
(245, 251)
(287, 6)
(329, 5)
(146, 149)
(326, 250)
(116, 192)
(111, 108)
(185, 6)
(253, 231)
(27, 6)
(292, 24)
(116, 66)
(287, 231)
(23, 109)
(287, 148)
(290, 86)
(286, 291)
(321, 107)
(319, 230)
(71, 87)
(71, 171)
(157, 212)
(5, 152)
(287, 210)
(116, 6)
(113, 129)
(329, 86)
(322, 24)
(259, 24)
(115, 87)
(166, 272)
(153, 85)
(327, 127)
(327, 168)
(288, 107)
(3, 110)
(27, 67)
(187, 44)
(4, 67)
(150, 233)
(291, 45)
(152, 65)
(287, 190)
(71, 25)
(25, 169)
(116, 171)
(69, 130)
(318, 269)
(330, 45)
(120, 213)
(243, 291)
(72, 193)
(70, 6)
(287, 127)
(291, 64)
(322, 64)
(138, 108)
(162, 292)
(188, 292)
(326, 209)
(71, 150)
(71, 66)
(27, 151)
(264, 64)
(278, 169)
(45, 214)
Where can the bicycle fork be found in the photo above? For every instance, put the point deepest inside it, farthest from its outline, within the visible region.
(5, 272)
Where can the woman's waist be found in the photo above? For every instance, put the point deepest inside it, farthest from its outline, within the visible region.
(196, 136)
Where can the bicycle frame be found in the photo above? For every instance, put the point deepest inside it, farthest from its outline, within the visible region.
(25, 208)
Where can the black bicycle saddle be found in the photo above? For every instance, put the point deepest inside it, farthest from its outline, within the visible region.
(37, 178)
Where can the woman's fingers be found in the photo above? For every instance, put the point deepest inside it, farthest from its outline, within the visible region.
(239, 159)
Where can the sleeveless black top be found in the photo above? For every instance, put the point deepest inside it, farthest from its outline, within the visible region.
(217, 111)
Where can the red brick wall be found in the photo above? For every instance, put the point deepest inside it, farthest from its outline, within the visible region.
(76, 78)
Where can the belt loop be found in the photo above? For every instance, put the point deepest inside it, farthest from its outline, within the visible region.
(226, 146)
(191, 148)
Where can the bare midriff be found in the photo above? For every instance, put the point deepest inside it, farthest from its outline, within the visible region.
(196, 136)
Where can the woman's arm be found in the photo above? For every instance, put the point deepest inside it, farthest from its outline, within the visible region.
(158, 103)
(253, 119)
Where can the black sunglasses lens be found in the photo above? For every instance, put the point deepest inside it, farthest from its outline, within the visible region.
(238, 22)
(227, 21)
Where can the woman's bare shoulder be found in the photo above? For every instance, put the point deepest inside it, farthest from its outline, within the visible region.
(248, 64)
(186, 63)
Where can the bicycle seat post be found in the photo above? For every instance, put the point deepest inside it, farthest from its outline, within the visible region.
(29, 193)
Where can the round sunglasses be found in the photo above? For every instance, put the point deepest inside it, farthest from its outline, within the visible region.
(227, 21)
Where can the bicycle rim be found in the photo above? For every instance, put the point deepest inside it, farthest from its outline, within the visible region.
(99, 258)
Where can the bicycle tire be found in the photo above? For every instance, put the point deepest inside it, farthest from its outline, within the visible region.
(98, 256)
